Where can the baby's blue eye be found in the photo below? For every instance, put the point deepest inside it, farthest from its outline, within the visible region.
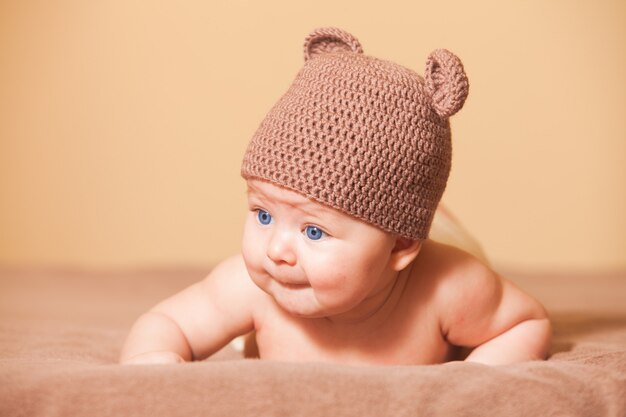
(314, 232)
(264, 217)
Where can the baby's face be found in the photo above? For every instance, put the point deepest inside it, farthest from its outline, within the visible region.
(313, 260)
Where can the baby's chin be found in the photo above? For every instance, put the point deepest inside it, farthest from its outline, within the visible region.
(298, 302)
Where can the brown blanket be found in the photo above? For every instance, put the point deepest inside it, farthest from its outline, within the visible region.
(61, 331)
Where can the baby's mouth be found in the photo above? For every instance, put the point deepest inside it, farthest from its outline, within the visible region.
(290, 285)
(294, 286)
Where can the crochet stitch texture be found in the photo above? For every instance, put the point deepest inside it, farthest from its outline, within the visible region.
(365, 136)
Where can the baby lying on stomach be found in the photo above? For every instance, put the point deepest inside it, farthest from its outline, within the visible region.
(344, 176)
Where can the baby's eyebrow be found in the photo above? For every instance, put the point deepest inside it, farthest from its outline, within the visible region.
(254, 192)
(315, 210)
(307, 206)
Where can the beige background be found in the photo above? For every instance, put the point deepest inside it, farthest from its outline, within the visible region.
(123, 123)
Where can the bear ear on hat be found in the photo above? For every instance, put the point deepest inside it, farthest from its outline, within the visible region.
(326, 40)
(446, 82)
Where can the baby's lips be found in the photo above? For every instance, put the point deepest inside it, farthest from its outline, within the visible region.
(284, 280)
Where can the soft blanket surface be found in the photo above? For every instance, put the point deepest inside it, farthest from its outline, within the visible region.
(61, 331)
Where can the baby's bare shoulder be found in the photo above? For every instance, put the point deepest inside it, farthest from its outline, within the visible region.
(233, 268)
(456, 277)
(231, 290)
(472, 301)
(230, 279)
(214, 310)
(448, 264)
(234, 291)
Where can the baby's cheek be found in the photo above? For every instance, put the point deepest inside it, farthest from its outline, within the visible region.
(252, 256)
(329, 279)
(255, 270)
(323, 270)
(250, 245)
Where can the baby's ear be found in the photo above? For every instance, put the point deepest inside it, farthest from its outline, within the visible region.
(404, 252)
(446, 82)
(327, 40)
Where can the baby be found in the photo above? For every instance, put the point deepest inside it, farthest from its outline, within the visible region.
(344, 176)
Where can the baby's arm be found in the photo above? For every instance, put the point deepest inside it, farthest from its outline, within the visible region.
(196, 322)
(492, 315)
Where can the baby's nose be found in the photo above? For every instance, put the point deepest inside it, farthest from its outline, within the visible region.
(280, 248)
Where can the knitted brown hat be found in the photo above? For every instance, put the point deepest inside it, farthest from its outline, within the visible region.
(362, 135)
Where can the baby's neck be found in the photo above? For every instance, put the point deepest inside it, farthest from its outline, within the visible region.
(374, 309)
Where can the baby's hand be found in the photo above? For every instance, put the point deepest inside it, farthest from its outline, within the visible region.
(162, 357)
